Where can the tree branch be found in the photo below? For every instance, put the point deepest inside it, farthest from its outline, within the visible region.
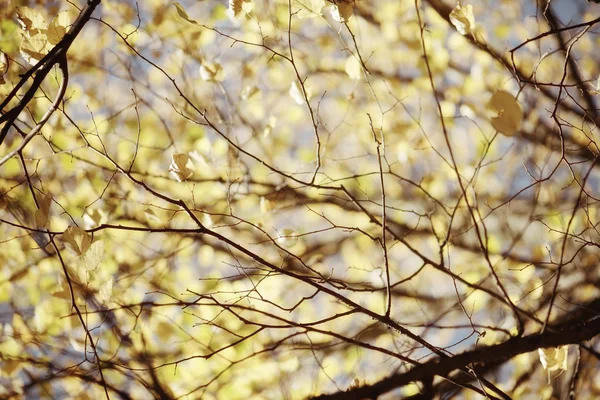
(576, 333)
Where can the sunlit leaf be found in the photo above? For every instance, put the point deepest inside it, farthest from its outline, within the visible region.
(34, 47)
(342, 11)
(106, 290)
(237, 8)
(554, 359)
(265, 205)
(508, 113)
(297, 94)
(30, 19)
(34, 38)
(307, 8)
(353, 68)
(3, 67)
(58, 27)
(76, 240)
(93, 256)
(335, 200)
(207, 221)
(62, 290)
(287, 238)
(462, 18)
(271, 124)
(6, 289)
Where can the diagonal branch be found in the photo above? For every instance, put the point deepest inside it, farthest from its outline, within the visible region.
(576, 333)
(43, 67)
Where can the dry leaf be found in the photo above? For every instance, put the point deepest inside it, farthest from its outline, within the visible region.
(181, 167)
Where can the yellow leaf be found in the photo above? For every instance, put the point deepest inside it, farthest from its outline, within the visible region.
(207, 221)
(21, 329)
(76, 240)
(150, 215)
(265, 205)
(10, 347)
(105, 291)
(6, 291)
(272, 122)
(3, 67)
(508, 113)
(462, 18)
(30, 19)
(62, 290)
(308, 8)
(554, 359)
(41, 214)
(58, 27)
(183, 14)
(34, 47)
(92, 257)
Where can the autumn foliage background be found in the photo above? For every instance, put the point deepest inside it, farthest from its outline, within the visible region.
(296, 199)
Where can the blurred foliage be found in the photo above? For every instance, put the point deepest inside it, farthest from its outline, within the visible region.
(280, 199)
